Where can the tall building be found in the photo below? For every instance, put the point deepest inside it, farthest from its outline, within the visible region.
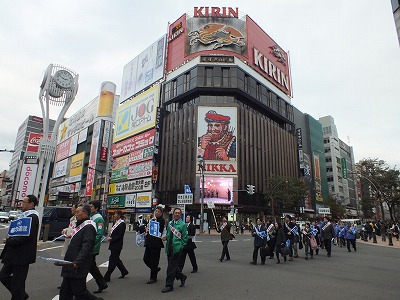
(396, 16)
(26, 147)
(225, 115)
(312, 163)
(340, 167)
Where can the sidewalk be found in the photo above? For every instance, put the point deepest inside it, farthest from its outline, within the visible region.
(396, 243)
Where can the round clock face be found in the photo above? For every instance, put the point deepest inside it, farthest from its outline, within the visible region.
(64, 79)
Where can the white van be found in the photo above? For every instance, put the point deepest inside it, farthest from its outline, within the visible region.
(352, 222)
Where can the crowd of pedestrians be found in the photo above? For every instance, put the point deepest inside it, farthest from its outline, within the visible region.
(85, 232)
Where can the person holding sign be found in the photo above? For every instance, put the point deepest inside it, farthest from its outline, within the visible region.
(116, 240)
(153, 244)
(176, 240)
(20, 249)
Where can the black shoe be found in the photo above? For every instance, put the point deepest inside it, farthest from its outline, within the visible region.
(100, 289)
(284, 259)
(151, 281)
(123, 275)
(221, 260)
(348, 250)
(278, 262)
(183, 280)
(253, 263)
(194, 271)
(228, 258)
(263, 263)
(306, 258)
(167, 289)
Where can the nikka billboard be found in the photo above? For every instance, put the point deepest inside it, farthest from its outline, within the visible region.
(216, 137)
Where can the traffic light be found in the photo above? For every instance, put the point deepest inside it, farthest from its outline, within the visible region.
(250, 189)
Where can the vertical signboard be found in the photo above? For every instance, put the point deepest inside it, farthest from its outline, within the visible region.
(27, 180)
(317, 177)
(92, 159)
(344, 167)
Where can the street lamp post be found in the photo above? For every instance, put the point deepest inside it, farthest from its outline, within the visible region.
(201, 164)
(58, 87)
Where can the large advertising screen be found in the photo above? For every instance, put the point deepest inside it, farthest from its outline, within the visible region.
(216, 136)
(143, 70)
(137, 115)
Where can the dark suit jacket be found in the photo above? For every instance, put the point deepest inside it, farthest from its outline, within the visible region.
(117, 237)
(156, 242)
(258, 241)
(225, 233)
(80, 251)
(191, 232)
(21, 250)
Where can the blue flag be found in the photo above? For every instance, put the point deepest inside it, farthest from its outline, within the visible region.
(295, 230)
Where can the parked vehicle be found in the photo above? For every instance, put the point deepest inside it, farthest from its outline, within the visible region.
(57, 218)
(13, 214)
(4, 218)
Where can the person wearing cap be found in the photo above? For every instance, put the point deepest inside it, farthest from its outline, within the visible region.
(20, 251)
(153, 245)
(79, 252)
(218, 143)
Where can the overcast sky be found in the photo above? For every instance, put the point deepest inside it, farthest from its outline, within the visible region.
(345, 57)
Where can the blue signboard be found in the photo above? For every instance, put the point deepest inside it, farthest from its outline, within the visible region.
(154, 228)
(20, 227)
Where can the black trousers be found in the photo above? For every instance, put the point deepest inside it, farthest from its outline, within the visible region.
(255, 254)
(151, 259)
(192, 258)
(225, 250)
(115, 262)
(328, 246)
(173, 271)
(353, 244)
(94, 270)
(13, 278)
(75, 287)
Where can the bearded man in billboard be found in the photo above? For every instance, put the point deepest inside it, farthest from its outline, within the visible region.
(218, 143)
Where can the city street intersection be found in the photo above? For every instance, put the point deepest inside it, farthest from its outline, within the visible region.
(370, 273)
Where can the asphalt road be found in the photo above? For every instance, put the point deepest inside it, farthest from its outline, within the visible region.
(370, 273)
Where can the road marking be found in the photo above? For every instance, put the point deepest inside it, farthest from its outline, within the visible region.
(50, 248)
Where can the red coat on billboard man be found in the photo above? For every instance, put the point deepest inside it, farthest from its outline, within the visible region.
(218, 143)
